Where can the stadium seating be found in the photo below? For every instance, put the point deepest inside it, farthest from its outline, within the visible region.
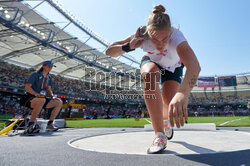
(200, 99)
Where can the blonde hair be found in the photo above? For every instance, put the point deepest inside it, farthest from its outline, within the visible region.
(40, 69)
(158, 19)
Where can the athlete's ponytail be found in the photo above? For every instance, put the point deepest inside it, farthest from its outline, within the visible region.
(158, 19)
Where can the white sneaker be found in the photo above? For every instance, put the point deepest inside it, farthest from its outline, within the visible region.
(159, 144)
(168, 130)
(51, 127)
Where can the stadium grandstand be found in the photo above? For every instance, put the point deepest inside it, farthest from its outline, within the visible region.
(85, 75)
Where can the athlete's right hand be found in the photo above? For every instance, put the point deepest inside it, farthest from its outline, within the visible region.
(137, 41)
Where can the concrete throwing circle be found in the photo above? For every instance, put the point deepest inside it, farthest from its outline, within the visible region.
(183, 142)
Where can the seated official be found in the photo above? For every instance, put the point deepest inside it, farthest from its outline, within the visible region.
(39, 95)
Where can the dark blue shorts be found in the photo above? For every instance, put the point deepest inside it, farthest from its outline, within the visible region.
(165, 74)
(25, 100)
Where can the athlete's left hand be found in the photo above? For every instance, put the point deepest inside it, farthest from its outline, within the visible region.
(137, 41)
(178, 108)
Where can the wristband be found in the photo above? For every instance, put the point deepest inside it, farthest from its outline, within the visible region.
(126, 47)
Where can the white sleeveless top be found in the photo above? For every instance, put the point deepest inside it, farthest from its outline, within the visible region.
(168, 58)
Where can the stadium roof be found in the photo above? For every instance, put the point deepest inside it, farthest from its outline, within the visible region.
(28, 39)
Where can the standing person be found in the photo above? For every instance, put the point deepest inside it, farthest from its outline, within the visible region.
(39, 95)
(124, 109)
(166, 53)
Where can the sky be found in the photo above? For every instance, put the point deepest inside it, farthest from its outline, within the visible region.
(217, 30)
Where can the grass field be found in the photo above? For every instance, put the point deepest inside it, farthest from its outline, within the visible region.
(1, 124)
(131, 122)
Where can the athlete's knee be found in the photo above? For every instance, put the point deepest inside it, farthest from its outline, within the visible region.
(151, 73)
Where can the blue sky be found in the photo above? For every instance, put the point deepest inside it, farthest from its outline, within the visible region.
(217, 30)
